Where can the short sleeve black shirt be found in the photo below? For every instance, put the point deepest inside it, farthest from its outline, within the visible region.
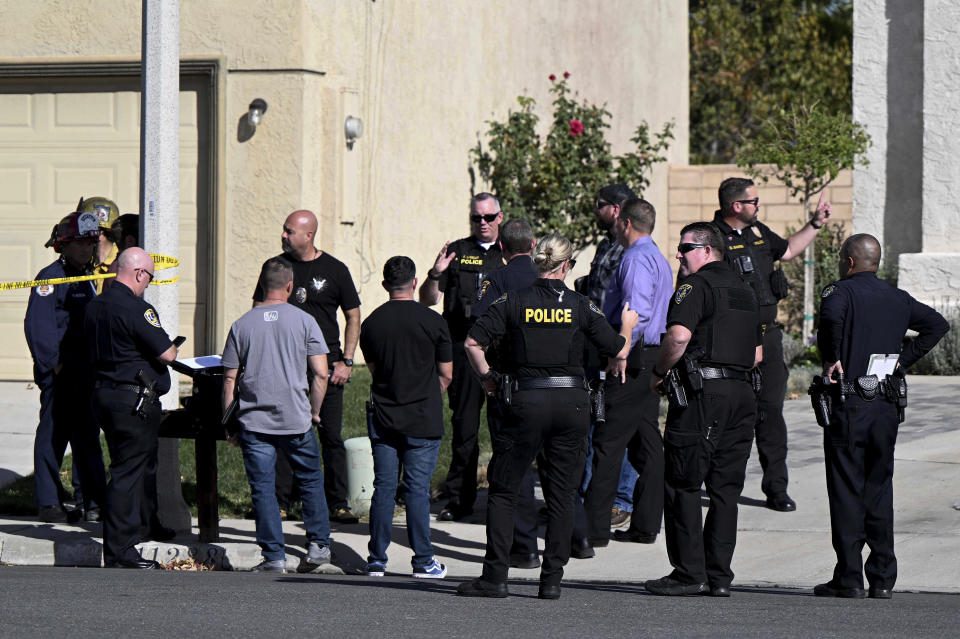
(404, 340)
(125, 336)
(461, 281)
(320, 287)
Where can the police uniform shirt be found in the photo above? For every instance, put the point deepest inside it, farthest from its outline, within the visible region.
(862, 315)
(531, 315)
(404, 340)
(460, 281)
(519, 273)
(694, 305)
(320, 286)
(125, 336)
(764, 247)
(53, 325)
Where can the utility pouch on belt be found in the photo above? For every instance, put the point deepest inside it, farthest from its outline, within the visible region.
(598, 399)
(819, 392)
(674, 390)
(779, 285)
(506, 390)
(692, 373)
(867, 387)
(895, 390)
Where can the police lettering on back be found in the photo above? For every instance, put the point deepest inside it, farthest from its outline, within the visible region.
(548, 315)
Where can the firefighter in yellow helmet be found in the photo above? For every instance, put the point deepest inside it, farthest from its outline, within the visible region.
(106, 211)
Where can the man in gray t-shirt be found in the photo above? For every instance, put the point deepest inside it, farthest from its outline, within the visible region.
(274, 343)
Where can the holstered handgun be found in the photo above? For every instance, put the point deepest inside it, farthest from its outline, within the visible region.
(598, 399)
(895, 389)
(674, 390)
(819, 391)
(691, 372)
(146, 393)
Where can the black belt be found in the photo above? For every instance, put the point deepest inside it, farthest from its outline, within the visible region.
(724, 373)
(538, 383)
(133, 388)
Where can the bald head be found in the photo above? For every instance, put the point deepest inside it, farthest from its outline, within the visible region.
(135, 269)
(299, 230)
(860, 253)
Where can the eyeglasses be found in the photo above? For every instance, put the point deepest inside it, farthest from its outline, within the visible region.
(755, 201)
(488, 218)
(599, 204)
(686, 247)
(149, 274)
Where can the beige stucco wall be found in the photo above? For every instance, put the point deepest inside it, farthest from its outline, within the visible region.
(423, 76)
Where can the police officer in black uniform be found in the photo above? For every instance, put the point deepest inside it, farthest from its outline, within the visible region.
(129, 352)
(458, 272)
(541, 331)
(751, 248)
(862, 316)
(517, 243)
(713, 336)
(53, 327)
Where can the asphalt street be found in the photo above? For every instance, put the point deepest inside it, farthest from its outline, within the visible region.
(84, 602)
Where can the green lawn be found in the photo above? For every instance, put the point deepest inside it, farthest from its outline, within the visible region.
(17, 498)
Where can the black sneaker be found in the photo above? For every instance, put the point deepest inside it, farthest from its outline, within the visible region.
(480, 588)
(670, 587)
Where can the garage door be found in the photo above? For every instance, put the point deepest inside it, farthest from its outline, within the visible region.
(63, 139)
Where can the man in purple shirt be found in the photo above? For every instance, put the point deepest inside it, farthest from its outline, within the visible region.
(645, 281)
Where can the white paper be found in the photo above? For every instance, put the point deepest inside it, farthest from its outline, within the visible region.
(204, 361)
(882, 365)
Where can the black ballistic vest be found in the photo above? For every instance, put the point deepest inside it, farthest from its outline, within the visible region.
(729, 336)
(544, 328)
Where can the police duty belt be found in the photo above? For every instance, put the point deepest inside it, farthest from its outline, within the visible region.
(161, 262)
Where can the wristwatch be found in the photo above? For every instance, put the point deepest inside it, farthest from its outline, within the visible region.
(347, 361)
(490, 374)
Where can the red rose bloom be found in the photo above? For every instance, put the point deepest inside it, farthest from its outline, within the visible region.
(566, 74)
(576, 127)
(553, 78)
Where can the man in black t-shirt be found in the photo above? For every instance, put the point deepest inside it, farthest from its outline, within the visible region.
(751, 248)
(407, 348)
(321, 285)
(457, 273)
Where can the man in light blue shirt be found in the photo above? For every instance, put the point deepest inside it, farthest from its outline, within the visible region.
(645, 281)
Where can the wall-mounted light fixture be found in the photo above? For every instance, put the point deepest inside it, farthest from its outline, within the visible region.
(256, 110)
(353, 130)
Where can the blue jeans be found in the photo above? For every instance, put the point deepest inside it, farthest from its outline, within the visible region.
(419, 458)
(259, 458)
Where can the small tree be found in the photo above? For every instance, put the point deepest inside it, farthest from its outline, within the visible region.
(552, 181)
(807, 148)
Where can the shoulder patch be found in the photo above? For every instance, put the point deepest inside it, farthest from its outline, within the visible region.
(682, 292)
(151, 316)
(502, 298)
(595, 309)
(45, 290)
(483, 289)
(828, 291)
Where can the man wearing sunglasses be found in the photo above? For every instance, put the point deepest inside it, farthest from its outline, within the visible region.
(457, 273)
(713, 324)
(751, 248)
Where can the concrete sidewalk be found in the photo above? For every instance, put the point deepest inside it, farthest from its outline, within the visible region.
(773, 549)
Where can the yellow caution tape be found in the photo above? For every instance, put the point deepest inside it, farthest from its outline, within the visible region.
(160, 262)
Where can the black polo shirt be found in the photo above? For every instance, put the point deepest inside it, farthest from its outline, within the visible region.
(125, 336)
(461, 281)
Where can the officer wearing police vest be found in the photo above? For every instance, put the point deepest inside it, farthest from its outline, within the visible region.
(713, 338)
(53, 327)
(129, 351)
(751, 248)
(457, 273)
(862, 318)
(541, 331)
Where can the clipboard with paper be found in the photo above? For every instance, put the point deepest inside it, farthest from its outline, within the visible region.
(881, 364)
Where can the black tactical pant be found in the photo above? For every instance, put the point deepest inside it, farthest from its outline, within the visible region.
(632, 425)
(132, 441)
(555, 421)
(706, 443)
(771, 430)
(858, 448)
(466, 396)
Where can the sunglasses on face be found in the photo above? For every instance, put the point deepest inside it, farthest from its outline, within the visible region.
(755, 201)
(149, 274)
(686, 247)
(488, 218)
(599, 204)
